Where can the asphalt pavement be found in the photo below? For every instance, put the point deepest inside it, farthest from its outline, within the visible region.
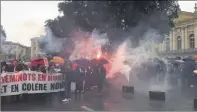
(112, 99)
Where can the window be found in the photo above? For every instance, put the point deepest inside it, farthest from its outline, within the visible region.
(179, 42)
(191, 41)
(167, 44)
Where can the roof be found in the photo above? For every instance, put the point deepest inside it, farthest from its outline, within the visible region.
(36, 38)
(13, 43)
(184, 16)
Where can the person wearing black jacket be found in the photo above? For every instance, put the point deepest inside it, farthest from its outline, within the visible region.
(67, 71)
(187, 73)
(78, 78)
(101, 78)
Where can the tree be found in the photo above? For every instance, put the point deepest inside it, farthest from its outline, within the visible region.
(116, 18)
(3, 31)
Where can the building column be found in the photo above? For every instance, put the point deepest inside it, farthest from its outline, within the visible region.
(164, 45)
(183, 38)
(186, 39)
(173, 40)
(195, 35)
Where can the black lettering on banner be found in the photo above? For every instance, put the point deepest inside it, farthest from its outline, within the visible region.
(34, 87)
(28, 87)
(4, 89)
(24, 86)
(41, 87)
(61, 85)
(45, 87)
(55, 86)
(14, 88)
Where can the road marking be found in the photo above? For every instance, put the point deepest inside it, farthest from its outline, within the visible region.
(87, 109)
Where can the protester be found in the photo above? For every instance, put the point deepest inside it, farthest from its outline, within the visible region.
(175, 74)
(88, 79)
(3, 69)
(14, 66)
(187, 73)
(101, 77)
(51, 68)
(78, 78)
(67, 71)
(41, 68)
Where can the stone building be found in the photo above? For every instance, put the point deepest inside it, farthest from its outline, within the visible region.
(16, 51)
(182, 40)
(35, 48)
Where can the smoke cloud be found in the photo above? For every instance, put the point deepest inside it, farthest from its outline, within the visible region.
(50, 42)
(84, 44)
(88, 45)
(131, 49)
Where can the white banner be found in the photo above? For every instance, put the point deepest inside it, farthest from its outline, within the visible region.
(30, 82)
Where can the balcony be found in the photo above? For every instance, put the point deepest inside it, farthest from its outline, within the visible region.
(181, 52)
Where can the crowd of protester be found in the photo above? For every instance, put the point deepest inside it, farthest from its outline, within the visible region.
(16, 66)
(84, 78)
(177, 72)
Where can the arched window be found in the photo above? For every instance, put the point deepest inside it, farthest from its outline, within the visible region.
(191, 41)
(179, 42)
(167, 44)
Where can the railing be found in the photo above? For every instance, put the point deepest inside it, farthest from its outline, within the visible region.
(181, 51)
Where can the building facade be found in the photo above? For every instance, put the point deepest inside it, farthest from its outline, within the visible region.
(35, 48)
(182, 40)
(16, 51)
(3, 38)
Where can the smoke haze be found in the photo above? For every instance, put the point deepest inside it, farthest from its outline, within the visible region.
(135, 47)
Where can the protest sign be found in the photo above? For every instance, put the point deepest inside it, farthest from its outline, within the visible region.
(30, 82)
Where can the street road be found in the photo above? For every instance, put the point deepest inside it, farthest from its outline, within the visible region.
(111, 100)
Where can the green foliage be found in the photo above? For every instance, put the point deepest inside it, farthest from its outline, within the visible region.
(113, 15)
(3, 31)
